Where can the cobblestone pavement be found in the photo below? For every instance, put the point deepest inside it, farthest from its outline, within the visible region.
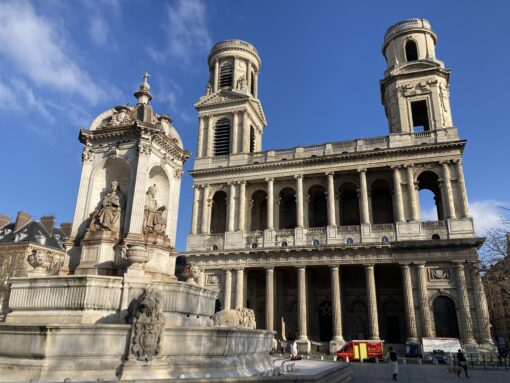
(369, 372)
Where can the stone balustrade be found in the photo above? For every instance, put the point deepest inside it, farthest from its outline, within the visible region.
(341, 147)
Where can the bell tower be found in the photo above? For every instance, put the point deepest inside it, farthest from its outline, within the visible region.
(415, 88)
(231, 119)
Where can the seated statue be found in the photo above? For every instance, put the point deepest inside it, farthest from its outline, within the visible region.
(107, 216)
(153, 221)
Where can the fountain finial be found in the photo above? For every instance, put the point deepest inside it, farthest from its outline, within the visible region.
(143, 94)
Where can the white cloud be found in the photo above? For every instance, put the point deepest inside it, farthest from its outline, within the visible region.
(38, 51)
(101, 15)
(487, 214)
(186, 31)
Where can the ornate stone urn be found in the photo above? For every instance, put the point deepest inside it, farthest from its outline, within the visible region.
(37, 260)
(137, 255)
(191, 272)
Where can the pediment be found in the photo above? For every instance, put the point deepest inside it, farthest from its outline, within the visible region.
(222, 97)
(416, 66)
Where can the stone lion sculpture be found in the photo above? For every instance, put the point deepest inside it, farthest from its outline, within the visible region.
(240, 317)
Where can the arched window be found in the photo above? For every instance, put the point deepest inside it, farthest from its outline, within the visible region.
(259, 210)
(226, 76)
(411, 50)
(287, 216)
(317, 207)
(431, 204)
(252, 139)
(252, 84)
(349, 205)
(219, 212)
(222, 137)
(382, 202)
(445, 317)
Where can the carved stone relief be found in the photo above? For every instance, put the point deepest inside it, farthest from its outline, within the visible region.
(439, 273)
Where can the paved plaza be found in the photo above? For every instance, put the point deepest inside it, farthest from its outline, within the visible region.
(414, 373)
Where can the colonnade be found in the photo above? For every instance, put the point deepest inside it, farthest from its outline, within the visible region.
(237, 199)
(420, 284)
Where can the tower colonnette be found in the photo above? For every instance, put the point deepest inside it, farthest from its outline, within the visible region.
(330, 242)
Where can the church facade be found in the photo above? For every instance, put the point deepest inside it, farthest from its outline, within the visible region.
(326, 243)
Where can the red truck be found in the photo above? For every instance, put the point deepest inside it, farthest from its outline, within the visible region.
(360, 350)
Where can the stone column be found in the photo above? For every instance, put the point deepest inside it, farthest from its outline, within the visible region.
(235, 134)
(231, 206)
(331, 199)
(464, 205)
(205, 210)
(210, 137)
(299, 200)
(246, 133)
(397, 186)
(302, 309)
(216, 74)
(482, 309)
(239, 288)
(447, 188)
(412, 335)
(426, 316)
(201, 279)
(270, 203)
(81, 213)
(363, 193)
(413, 195)
(201, 133)
(234, 74)
(337, 304)
(142, 176)
(373, 320)
(194, 216)
(242, 205)
(248, 76)
(270, 299)
(228, 290)
(256, 84)
(465, 311)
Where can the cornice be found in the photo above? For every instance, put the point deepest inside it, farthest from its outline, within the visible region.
(328, 158)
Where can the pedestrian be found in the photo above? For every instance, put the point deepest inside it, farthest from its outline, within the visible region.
(294, 352)
(461, 358)
(392, 357)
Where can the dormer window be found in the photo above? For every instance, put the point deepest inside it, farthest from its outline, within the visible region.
(411, 51)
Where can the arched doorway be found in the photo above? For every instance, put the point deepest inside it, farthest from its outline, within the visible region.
(219, 212)
(392, 313)
(317, 207)
(382, 202)
(325, 321)
(349, 205)
(445, 317)
(259, 210)
(287, 216)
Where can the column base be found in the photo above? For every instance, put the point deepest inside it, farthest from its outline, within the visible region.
(303, 345)
(412, 340)
(487, 346)
(336, 344)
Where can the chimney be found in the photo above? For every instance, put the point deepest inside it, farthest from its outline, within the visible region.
(66, 228)
(4, 220)
(48, 221)
(21, 220)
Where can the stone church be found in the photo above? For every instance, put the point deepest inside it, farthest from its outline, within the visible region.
(326, 243)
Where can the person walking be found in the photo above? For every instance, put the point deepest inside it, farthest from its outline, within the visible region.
(461, 358)
(392, 357)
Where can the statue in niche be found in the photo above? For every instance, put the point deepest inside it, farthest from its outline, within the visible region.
(153, 221)
(208, 89)
(241, 82)
(107, 217)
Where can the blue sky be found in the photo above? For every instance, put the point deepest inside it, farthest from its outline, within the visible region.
(64, 62)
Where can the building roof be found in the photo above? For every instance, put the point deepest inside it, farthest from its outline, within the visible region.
(33, 232)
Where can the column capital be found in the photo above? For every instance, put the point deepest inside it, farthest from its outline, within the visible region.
(299, 267)
(405, 264)
(368, 265)
(331, 173)
(298, 176)
(242, 182)
(332, 267)
(269, 179)
(457, 161)
(445, 162)
(408, 165)
(197, 186)
(396, 167)
(419, 264)
(231, 183)
(362, 170)
(269, 268)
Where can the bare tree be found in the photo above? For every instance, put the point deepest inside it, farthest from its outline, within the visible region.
(495, 258)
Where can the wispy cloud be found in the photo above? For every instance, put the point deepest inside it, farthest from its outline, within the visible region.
(37, 50)
(186, 30)
(487, 214)
(169, 93)
(101, 15)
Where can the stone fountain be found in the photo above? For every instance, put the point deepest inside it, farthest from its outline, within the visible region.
(116, 311)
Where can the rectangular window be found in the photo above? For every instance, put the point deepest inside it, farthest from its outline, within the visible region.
(420, 115)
